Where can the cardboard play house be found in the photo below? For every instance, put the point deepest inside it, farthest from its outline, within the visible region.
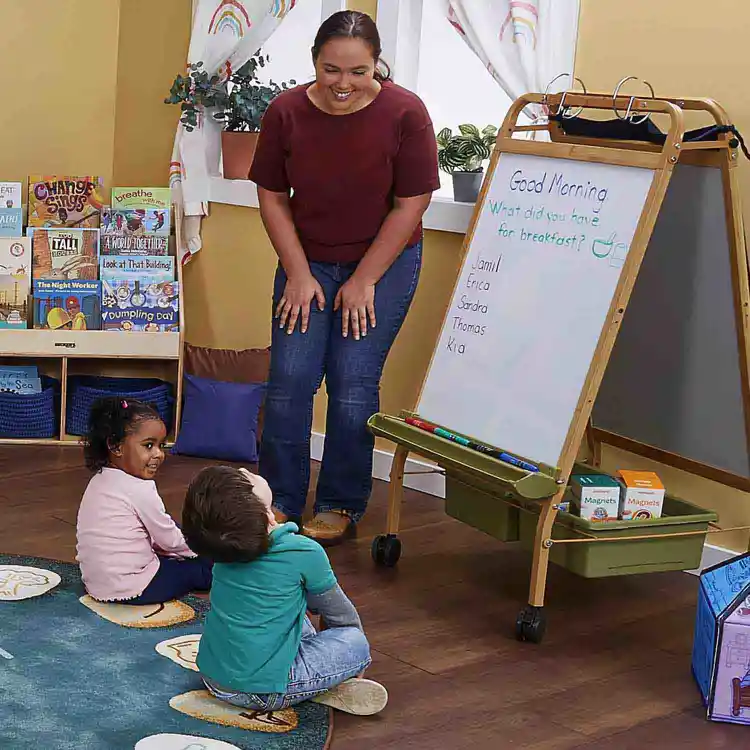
(721, 647)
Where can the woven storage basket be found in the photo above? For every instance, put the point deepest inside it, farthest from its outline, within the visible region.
(85, 390)
(31, 415)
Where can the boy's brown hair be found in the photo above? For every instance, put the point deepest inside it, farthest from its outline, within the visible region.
(222, 519)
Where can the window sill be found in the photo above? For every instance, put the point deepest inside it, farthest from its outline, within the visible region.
(442, 215)
(447, 215)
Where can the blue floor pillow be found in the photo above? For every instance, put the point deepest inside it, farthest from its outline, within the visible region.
(220, 419)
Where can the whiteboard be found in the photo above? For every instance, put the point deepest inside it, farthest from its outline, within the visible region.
(533, 293)
(674, 380)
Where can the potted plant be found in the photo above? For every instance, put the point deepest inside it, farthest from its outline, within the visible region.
(238, 102)
(461, 156)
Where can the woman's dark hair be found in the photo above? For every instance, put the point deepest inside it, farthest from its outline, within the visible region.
(353, 24)
(110, 420)
(222, 518)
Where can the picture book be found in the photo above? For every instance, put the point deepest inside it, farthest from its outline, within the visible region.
(127, 305)
(19, 371)
(10, 195)
(20, 385)
(61, 201)
(146, 244)
(15, 255)
(142, 197)
(14, 301)
(147, 269)
(23, 379)
(64, 253)
(135, 222)
(72, 304)
(11, 222)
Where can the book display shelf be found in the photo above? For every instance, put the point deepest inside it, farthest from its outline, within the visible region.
(84, 342)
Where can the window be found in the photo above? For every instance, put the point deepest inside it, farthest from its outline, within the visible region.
(289, 49)
(407, 41)
(453, 82)
(430, 58)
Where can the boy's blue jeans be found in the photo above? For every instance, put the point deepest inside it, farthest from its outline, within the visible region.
(323, 661)
(352, 370)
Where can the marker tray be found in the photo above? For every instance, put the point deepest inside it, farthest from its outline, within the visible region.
(600, 559)
(485, 472)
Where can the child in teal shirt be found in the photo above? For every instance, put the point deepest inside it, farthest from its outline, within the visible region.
(259, 649)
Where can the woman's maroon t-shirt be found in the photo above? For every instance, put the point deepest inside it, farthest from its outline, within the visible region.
(343, 171)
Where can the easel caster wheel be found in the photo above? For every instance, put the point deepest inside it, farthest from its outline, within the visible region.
(531, 624)
(386, 550)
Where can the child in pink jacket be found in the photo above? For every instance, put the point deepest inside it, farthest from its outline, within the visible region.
(130, 550)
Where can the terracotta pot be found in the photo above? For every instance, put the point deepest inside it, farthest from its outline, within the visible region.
(237, 150)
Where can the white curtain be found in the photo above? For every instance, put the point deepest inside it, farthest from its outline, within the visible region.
(524, 44)
(225, 35)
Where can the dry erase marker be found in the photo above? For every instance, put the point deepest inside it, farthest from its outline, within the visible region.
(435, 430)
(452, 436)
(502, 455)
(414, 422)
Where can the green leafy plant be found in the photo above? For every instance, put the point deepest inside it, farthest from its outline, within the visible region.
(465, 151)
(238, 102)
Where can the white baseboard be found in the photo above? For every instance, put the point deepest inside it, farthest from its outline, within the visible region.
(419, 475)
(422, 476)
(713, 555)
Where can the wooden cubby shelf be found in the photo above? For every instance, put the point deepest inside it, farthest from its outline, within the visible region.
(100, 344)
(61, 354)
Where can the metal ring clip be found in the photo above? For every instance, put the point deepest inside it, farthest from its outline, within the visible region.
(629, 114)
(561, 107)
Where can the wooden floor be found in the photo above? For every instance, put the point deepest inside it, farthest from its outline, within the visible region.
(613, 671)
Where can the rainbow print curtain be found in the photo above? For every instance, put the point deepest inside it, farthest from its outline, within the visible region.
(225, 35)
(523, 43)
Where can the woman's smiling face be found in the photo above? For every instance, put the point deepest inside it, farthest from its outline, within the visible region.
(344, 74)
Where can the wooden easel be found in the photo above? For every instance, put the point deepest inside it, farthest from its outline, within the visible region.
(548, 486)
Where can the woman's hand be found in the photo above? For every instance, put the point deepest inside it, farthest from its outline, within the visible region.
(296, 300)
(356, 298)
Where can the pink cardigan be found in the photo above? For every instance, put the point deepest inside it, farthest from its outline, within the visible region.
(122, 523)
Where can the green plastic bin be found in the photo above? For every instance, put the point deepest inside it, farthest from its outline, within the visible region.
(658, 553)
(484, 510)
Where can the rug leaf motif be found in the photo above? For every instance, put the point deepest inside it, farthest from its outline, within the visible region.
(200, 704)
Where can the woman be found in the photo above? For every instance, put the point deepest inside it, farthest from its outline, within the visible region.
(345, 168)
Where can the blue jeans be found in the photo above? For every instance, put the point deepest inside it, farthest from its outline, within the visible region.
(352, 370)
(174, 579)
(323, 661)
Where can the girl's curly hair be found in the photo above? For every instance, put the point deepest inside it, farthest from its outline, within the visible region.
(110, 420)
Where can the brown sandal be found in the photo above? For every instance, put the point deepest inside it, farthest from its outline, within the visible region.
(330, 527)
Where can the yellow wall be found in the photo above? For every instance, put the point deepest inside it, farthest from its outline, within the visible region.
(152, 47)
(60, 66)
(681, 49)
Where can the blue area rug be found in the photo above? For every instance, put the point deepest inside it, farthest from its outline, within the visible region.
(78, 682)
